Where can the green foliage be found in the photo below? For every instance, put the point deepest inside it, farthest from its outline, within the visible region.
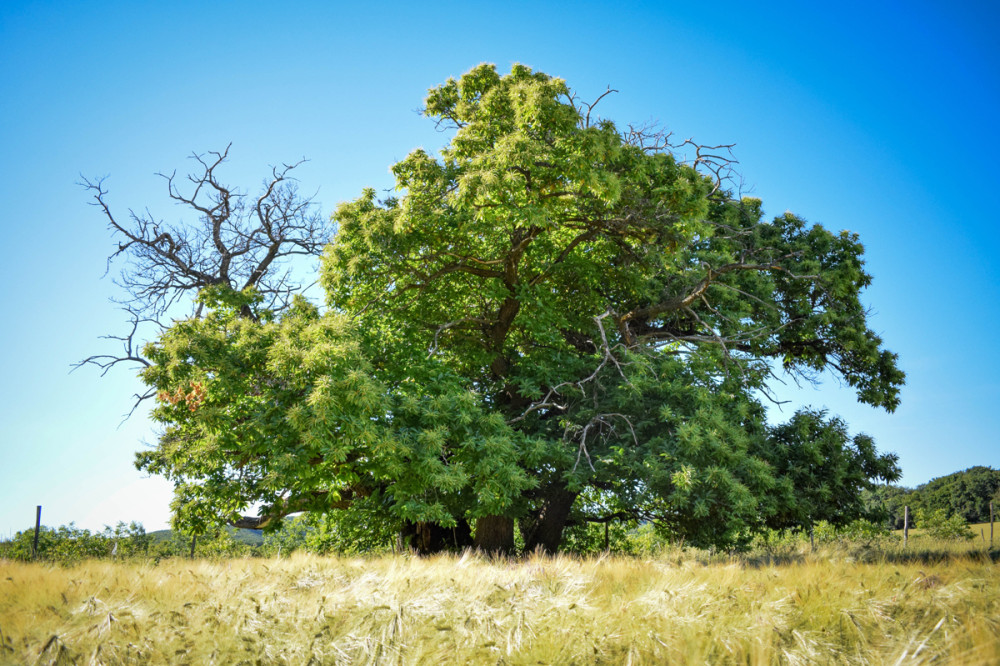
(857, 532)
(938, 524)
(69, 543)
(623, 538)
(340, 532)
(822, 472)
(553, 322)
(967, 494)
(888, 503)
(588, 538)
(214, 544)
(290, 537)
(250, 406)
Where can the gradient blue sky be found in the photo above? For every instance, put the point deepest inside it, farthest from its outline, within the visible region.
(878, 117)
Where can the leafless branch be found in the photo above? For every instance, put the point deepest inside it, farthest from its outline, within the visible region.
(583, 448)
(584, 109)
(139, 399)
(130, 347)
(717, 162)
(649, 137)
(231, 240)
(590, 107)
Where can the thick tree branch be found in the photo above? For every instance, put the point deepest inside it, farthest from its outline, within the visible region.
(292, 505)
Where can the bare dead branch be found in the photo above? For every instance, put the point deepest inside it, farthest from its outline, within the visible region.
(605, 426)
(230, 241)
(590, 107)
(130, 347)
(715, 161)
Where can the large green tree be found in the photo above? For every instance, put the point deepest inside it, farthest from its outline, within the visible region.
(823, 472)
(554, 315)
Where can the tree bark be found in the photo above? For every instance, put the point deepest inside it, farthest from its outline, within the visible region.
(544, 530)
(495, 535)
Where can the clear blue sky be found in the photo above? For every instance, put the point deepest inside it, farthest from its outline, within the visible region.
(878, 117)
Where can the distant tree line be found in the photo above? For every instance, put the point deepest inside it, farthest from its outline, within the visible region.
(966, 494)
(69, 543)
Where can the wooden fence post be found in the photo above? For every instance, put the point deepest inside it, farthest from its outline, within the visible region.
(906, 525)
(38, 526)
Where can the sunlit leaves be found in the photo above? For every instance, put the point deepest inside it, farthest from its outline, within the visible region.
(541, 310)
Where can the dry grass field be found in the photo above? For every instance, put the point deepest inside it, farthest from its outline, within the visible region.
(982, 532)
(837, 605)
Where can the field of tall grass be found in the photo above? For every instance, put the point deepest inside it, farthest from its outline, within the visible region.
(981, 531)
(837, 604)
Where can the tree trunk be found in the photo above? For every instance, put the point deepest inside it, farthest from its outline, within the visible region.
(495, 535)
(430, 538)
(545, 529)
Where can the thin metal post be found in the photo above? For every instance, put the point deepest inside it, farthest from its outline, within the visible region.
(38, 526)
(906, 525)
(991, 524)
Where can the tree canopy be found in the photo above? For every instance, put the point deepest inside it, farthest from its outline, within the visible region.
(823, 473)
(554, 319)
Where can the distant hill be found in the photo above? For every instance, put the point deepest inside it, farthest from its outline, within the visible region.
(252, 538)
(967, 494)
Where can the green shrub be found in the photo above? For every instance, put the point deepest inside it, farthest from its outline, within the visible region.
(858, 531)
(68, 543)
(218, 544)
(937, 524)
(342, 532)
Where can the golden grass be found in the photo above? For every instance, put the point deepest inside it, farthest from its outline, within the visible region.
(826, 607)
(982, 531)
